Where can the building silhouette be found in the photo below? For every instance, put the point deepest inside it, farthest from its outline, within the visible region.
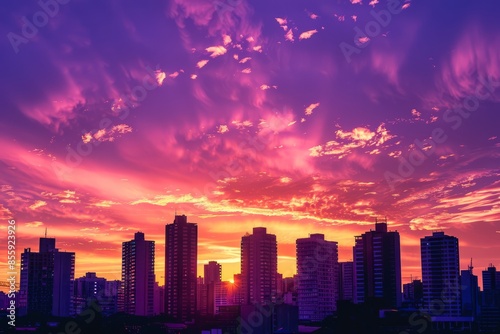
(358, 270)
(377, 267)
(212, 272)
(103, 292)
(235, 292)
(317, 274)
(259, 267)
(346, 281)
(290, 290)
(181, 249)
(440, 274)
(470, 292)
(201, 297)
(413, 294)
(223, 292)
(138, 278)
(212, 284)
(491, 278)
(489, 319)
(4, 301)
(159, 299)
(46, 280)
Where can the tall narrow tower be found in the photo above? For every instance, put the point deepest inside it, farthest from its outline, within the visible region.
(47, 280)
(377, 266)
(317, 277)
(441, 273)
(138, 263)
(259, 267)
(470, 292)
(181, 249)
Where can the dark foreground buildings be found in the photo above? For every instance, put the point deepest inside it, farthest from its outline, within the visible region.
(377, 267)
(46, 280)
(181, 250)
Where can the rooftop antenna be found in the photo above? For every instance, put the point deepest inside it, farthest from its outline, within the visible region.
(470, 266)
(45, 232)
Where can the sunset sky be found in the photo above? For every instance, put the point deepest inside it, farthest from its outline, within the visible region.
(300, 116)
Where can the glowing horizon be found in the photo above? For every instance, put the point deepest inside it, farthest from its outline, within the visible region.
(303, 118)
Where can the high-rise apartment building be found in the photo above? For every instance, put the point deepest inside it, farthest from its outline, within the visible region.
(47, 280)
(317, 274)
(491, 278)
(441, 274)
(358, 270)
(212, 272)
(181, 249)
(259, 267)
(346, 281)
(159, 299)
(138, 278)
(489, 319)
(377, 267)
(212, 283)
(470, 292)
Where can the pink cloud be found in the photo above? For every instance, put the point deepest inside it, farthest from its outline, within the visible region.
(307, 34)
(216, 51)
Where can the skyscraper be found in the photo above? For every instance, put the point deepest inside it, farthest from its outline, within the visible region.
(201, 297)
(377, 265)
(440, 274)
(212, 283)
(181, 249)
(317, 274)
(346, 281)
(212, 272)
(491, 278)
(470, 292)
(47, 280)
(138, 263)
(259, 267)
(490, 300)
(359, 270)
(159, 299)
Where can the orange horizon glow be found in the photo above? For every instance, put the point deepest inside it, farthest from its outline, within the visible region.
(280, 116)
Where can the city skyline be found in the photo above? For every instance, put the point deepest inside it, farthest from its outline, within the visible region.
(300, 117)
(229, 277)
(49, 288)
